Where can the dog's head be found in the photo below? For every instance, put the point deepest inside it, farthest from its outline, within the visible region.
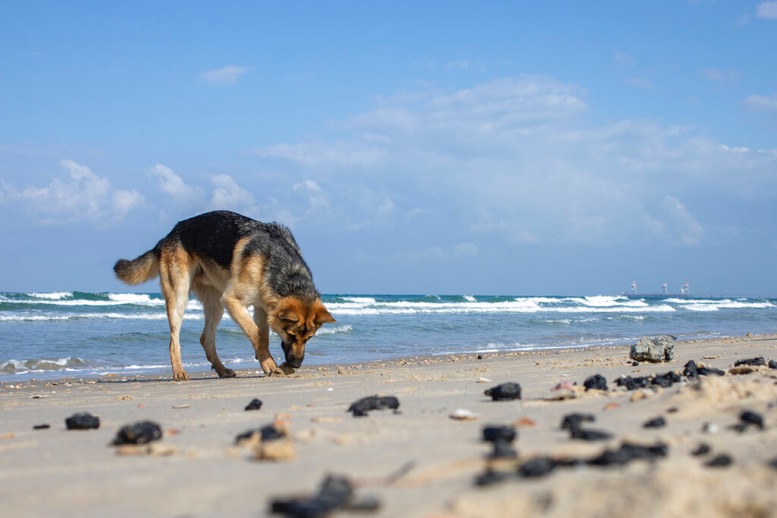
(296, 321)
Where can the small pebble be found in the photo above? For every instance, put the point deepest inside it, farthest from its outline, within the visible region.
(710, 428)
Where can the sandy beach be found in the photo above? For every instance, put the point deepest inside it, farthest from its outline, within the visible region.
(415, 461)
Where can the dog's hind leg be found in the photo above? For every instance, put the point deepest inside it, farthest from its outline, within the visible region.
(175, 280)
(214, 310)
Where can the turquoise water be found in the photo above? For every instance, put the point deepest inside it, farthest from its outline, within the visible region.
(50, 335)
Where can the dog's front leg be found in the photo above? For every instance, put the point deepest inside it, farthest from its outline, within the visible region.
(259, 336)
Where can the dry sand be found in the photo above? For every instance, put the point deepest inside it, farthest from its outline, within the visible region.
(417, 462)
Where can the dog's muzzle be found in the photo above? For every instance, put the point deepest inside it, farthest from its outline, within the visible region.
(291, 360)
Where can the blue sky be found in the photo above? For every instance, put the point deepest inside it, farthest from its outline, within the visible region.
(522, 148)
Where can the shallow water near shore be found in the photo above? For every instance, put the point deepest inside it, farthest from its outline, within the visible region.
(51, 335)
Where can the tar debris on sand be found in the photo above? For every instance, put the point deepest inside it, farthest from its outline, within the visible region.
(575, 419)
(141, 432)
(82, 421)
(255, 404)
(337, 493)
(504, 392)
(656, 422)
(595, 382)
(361, 407)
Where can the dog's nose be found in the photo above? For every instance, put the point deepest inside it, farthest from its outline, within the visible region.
(295, 362)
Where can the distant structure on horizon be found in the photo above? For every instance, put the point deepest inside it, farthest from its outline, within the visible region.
(685, 291)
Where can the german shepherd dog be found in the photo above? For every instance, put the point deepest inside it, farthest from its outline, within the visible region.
(231, 261)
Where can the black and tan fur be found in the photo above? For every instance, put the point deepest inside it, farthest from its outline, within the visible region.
(231, 261)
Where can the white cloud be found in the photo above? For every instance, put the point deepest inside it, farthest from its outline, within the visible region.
(316, 154)
(767, 10)
(227, 194)
(175, 187)
(761, 103)
(84, 197)
(678, 223)
(518, 160)
(224, 76)
(719, 76)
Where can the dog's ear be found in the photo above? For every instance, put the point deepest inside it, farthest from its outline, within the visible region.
(288, 310)
(288, 316)
(322, 316)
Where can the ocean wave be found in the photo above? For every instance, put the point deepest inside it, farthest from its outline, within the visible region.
(21, 317)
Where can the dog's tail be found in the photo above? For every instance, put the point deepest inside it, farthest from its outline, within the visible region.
(139, 270)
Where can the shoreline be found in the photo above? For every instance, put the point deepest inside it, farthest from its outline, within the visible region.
(205, 372)
(418, 462)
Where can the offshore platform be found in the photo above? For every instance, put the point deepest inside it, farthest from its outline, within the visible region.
(634, 293)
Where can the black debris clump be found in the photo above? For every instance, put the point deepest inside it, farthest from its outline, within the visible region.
(693, 371)
(720, 461)
(772, 364)
(595, 382)
(666, 380)
(503, 450)
(504, 392)
(749, 418)
(629, 452)
(44, 426)
(536, 468)
(751, 362)
(269, 432)
(501, 437)
(496, 433)
(337, 493)
(543, 466)
(82, 421)
(701, 450)
(633, 383)
(571, 420)
(255, 404)
(361, 407)
(581, 434)
(490, 477)
(656, 422)
(141, 432)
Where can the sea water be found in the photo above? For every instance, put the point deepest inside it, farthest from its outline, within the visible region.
(75, 334)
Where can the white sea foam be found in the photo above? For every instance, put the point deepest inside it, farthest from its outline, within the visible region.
(57, 295)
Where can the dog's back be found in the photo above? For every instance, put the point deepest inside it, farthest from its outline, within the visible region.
(214, 236)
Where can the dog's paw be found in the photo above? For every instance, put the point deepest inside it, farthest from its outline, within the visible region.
(227, 373)
(180, 376)
(286, 369)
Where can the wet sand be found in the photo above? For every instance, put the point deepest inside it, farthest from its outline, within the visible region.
(418, 461)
